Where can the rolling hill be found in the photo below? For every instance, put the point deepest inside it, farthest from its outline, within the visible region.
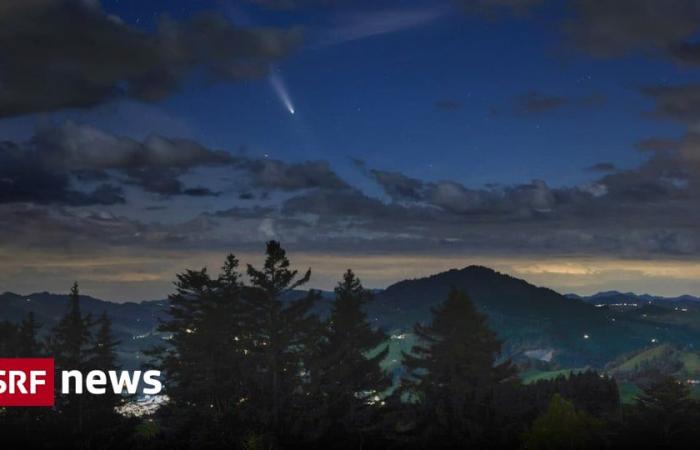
(533, 322)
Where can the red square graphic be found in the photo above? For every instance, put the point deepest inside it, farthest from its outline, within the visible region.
(26, 381)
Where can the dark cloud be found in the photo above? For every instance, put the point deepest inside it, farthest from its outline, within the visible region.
(24, 177)
(271, 174)
(686, 52)
(81, 147)
(47, 168)
(398, 186)
(453, 197)
(680, 102)
(614, 28)
(100, 57)
(638, 212)
(657, 145)
(58, 164)
(346, 203)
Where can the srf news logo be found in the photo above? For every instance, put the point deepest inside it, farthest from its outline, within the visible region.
(26, 382)
(30, 382)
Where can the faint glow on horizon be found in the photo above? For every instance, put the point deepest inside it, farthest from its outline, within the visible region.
(281, 91)
(123, 275)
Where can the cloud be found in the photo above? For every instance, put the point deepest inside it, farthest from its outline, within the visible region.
(350, 27)
(453, 197)
(25, 178)
(101, 58)
(59, 164)
(679, 102)
(271, 174)
(615, 28)
(82, 147)
(642, 212)
(657, 145)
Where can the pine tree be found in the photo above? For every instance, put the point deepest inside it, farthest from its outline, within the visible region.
(103, 357)
(451, 374)
(285, 335)
(70, 339)
(207, 363)
(350, 377)
(69, 343)
(664, 416)
(106, 428)
(29, 345)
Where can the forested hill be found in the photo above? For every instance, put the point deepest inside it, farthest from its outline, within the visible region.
(133, 324)
(526, 317)
(529, 317)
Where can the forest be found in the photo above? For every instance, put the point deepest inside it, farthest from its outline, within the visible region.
(245, 367)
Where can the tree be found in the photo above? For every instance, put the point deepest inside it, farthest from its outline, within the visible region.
(207, 363)
(69, 343)
(106, 427)
(350, 378)
(285, 334)
(29, 345)
(563, 427)
(451, 375)
(664, 416)
(103, 357)
(70, 339)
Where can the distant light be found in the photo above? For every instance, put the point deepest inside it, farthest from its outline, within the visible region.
(585, 336)
(654, 341)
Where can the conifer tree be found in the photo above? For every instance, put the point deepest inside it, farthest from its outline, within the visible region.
(70, 339)
(350, 377)
(106, 427)
(285, 335)
(103, 356)
(206, 364)
(451, 374)
(69, 343)
(663, 416)
(29, 345)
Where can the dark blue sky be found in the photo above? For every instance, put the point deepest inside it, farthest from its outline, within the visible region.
(428, 134)
(374, 98)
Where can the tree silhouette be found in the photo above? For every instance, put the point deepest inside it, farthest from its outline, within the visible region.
(29, 344)
(284, 337)
(562, 426)
(663, 416)
(207, 363)
(69, 344)
(351, 381)
(451, 375)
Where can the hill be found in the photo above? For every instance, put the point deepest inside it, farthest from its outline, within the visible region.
(530, 318)
(535, 323)
(134, 324)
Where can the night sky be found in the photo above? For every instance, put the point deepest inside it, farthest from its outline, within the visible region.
(558, 141)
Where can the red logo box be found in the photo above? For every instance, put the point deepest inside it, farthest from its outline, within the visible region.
(26, 382)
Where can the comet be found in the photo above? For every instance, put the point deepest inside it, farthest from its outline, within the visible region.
(281, 91)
